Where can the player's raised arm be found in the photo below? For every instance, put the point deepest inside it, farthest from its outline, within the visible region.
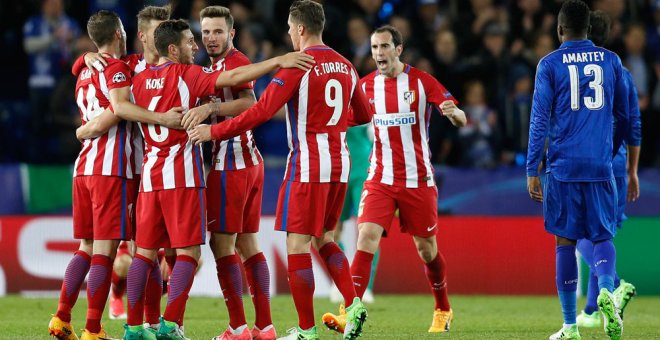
(276, 95)
(243, 74)
(125, 109)
(232, 108)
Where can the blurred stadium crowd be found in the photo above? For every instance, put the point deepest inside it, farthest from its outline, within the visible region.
(484, 51)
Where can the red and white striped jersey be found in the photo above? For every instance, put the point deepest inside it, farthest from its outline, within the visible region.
(403, 107)
(137, 63)
(317, 107)
(111, 153)
(241, 151)
(171, 160)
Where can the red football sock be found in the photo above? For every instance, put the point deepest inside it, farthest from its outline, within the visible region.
(73, 279)
(337, 265)
(98, 287)
(181, 280)
(231, 282)
(118, 287)
(136, 284)
(258, 277)
(436, 274)
(301, 283)
(361, 271)
(153, 294)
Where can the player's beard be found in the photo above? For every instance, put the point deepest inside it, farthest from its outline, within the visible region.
(223, 49)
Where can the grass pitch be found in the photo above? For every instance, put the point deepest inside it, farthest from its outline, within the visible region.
(391, 317)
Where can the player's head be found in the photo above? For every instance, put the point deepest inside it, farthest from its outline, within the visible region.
(386, 47)
(105, 28)
(573, 20)
(148, 19)
(306, 18)
(600, 27)
(217, 30)
(175, 40)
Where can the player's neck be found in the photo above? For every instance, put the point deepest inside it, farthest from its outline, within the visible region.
(114, 52)
(149, 57)
(310, 41)
(396, 70)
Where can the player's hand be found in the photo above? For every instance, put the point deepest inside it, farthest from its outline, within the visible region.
(633, 187)
(534, 188)
(96, 61)
(299, 60)
(449, 108)
(172, 118)
(80, 133)
(195, 116)
(200, 134)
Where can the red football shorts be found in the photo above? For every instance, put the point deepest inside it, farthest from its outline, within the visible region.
(234, 199)
(418, 208)
(103, 207)
(172, 218)
(309, 208)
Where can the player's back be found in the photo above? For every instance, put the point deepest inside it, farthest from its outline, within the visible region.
(110, 153)
(318, 117)
(171, 160)
(584, 80)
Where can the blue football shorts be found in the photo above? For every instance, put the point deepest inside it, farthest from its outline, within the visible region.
(576, 210)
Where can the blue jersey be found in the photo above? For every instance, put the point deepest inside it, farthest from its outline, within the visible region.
(578, 90)
(634, 135)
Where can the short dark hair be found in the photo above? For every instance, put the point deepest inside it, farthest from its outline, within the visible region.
(169, 32)
(397, 39)
(149, 13)
(600, 27)
(574, 16)
(309, 14)
(102, 26)
(218, 12)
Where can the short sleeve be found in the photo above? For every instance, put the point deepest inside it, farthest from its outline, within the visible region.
(436, 93)
(201, 79)
(117, 75)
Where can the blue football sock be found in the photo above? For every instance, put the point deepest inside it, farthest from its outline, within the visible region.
(617, 280)
(592, 294)
(605, 264)
(586, 249)
(567, 277)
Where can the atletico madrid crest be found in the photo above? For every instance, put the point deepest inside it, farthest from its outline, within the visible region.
(409, 97)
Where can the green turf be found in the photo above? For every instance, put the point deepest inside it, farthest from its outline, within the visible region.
(391, 317)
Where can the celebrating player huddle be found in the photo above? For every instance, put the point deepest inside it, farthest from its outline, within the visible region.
(142, 128)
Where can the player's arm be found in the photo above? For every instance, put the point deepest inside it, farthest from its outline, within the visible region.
(278, 92)
(246, 73)
(621, 109)
(233, 108)
(92, 60)
(455, 115)
(125, 109)
(97, 126)
(361, 112)
(634, 141)
(538, 127)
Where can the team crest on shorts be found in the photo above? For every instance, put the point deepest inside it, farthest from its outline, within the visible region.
(409, 97)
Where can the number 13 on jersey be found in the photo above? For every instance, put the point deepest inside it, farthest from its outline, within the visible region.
(592, 103)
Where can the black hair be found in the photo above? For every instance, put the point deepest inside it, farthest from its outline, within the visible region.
(574, 17)
(600, 27)
(167, 33)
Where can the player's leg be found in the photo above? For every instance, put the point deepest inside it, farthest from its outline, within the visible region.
(590, 316)
(186, 230)
(624, 291)
(228, 266)
(76, 271)
(258, 279)
(120, 267)
(98, 284)
(561, 199)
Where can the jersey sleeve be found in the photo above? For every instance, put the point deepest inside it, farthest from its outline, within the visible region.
(437, 93)
(621, 110)
(78, 65)
(634, 136)
(201, 79)
(541, 106)
(281, 88)
(117, 75)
